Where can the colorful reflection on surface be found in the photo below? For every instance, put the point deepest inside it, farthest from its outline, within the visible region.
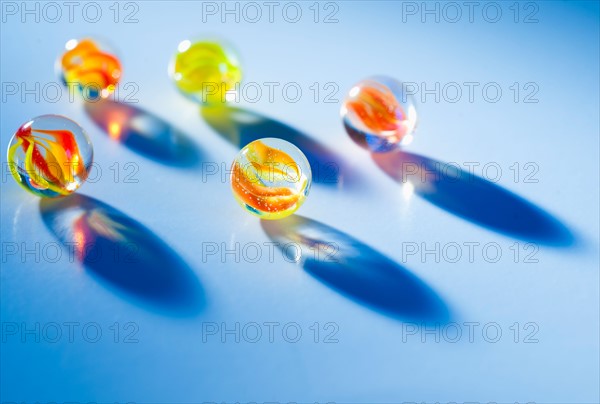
(124, 254)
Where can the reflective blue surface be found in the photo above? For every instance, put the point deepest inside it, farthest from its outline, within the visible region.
(465, 267)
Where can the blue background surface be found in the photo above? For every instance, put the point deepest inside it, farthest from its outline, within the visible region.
(379, 299)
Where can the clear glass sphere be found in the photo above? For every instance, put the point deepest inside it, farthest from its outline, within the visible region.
(270, 178)
(50, 156)
(379, 114)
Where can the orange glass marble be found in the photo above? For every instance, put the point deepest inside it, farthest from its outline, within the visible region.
(50, 156)
(270, 178)
(90, 67)
(379, 114)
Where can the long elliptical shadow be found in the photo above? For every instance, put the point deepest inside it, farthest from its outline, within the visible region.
(473, 198)
(144, 133)
(240, 127)
(356, 270)
(124, 254)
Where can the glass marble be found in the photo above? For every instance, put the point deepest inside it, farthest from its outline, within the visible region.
(207, 71)
(270, 178)
(50, 156)
(91, 67)
(379, 114)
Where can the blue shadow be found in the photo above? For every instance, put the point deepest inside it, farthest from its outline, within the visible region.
(356, 270)
(240, 127)
(144, 133)
(474, 198)
(124, 254)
